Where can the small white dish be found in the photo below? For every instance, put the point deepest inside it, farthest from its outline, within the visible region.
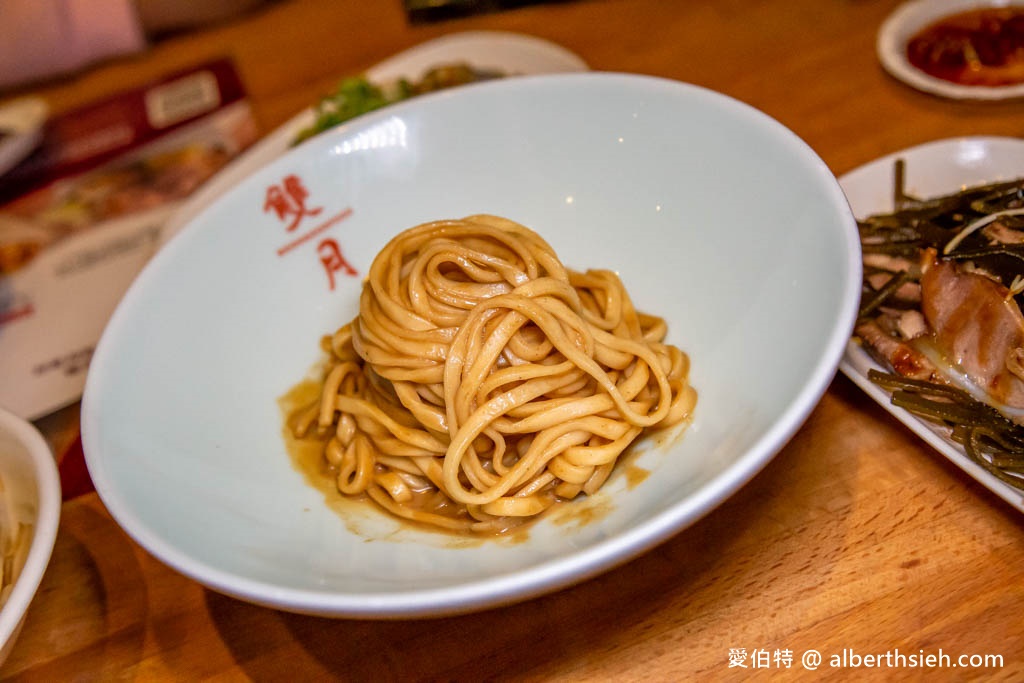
(652, 178)
(932, 169)
(909, 18)
(32, 488)
(515, 54)
(21, 129)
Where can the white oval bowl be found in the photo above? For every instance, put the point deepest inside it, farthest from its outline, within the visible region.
(717, 217)
(30, 478)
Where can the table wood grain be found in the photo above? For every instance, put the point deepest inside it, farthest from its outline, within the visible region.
(856, 537)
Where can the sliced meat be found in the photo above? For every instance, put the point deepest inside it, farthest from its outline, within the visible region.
(887, 262)
(911, 324)
(1001, 233)
(977, 327)
(899, 354)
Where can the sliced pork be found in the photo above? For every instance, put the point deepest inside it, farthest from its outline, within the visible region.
(978, 330)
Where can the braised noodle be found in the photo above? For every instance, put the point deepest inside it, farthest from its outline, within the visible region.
(482, 381)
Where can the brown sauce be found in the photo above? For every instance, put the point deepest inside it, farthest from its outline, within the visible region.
(359, 513)
(979, 47)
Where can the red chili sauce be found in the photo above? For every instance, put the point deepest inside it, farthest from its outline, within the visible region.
(977, 47)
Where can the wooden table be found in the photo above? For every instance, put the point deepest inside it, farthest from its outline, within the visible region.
(856, 536)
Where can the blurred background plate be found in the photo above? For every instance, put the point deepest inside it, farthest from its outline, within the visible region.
(911, 17)
(509, 53)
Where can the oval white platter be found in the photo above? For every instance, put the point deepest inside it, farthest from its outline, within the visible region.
(932, 169)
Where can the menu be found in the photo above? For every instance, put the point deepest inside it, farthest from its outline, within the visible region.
(81, 216)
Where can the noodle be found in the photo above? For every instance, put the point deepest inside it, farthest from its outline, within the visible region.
(482, 381)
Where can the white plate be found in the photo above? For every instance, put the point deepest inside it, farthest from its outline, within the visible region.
(22, 120)
(911, 17)
(509, 53)
(180, 422)
(932, 169)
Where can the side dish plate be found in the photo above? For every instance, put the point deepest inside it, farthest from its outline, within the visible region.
(932, 169)
(911, 17)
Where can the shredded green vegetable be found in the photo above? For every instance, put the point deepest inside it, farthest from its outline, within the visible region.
(353, 97)
(988, 438)
(919, 224)
(880, 296)
(357, 95)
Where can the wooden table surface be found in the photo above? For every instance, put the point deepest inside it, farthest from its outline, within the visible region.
(856, 537)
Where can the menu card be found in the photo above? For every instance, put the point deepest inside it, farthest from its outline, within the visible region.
(81, 216)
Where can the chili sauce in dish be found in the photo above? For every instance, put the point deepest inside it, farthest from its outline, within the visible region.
(977, 47)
